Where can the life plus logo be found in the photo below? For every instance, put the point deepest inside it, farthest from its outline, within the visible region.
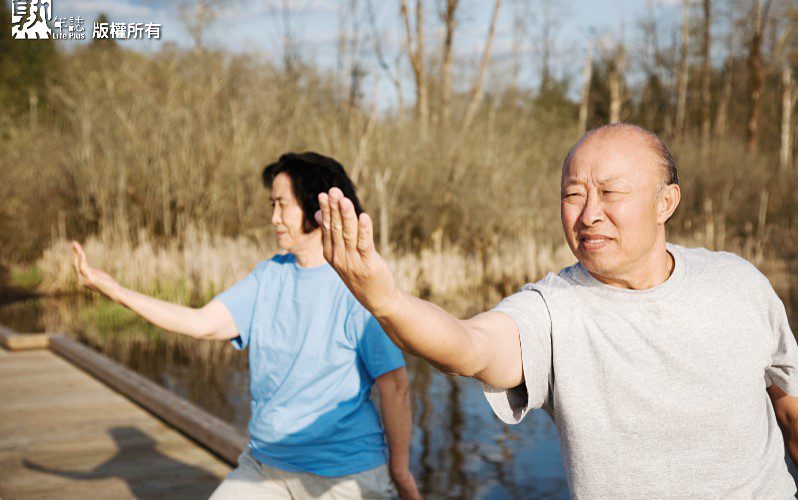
(30, 18)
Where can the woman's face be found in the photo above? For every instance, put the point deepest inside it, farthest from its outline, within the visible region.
(287, 214)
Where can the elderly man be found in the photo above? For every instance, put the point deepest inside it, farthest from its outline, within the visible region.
(652, 359)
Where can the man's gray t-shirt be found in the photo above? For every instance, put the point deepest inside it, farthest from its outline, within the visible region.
(658, 393)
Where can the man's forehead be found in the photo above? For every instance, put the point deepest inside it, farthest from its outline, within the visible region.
(599, 179)
(612, 155)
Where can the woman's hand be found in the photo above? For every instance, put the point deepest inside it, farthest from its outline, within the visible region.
(91, 278)
(405, 484)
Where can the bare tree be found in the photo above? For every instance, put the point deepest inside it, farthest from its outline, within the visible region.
(394, 76)
(684, 70)
(198, 16)
(415, 52)
(544, 17)
(787, 103)
(706, 74)
(450, 23)
(616, 83)
(285, 14)
(755, 75)
(476, 91)
(356, 70)
(519, 34)
(587, 76)
(546, 46)
(721, 117)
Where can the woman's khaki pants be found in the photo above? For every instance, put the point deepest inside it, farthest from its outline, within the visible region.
(252, 479)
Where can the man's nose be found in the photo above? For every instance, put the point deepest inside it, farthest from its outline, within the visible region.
(592, 211)
(275, 217)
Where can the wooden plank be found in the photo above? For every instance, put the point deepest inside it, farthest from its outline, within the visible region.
(107, 447)
(214, 434)
(14, 341)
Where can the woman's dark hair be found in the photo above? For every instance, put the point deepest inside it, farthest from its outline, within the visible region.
(311, 174)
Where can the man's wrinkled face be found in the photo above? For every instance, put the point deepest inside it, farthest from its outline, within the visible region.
(608, 207)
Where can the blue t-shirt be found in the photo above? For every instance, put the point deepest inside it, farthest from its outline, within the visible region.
(314, 352)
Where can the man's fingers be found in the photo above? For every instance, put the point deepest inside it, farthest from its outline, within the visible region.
(365, 234)
(326, 237)
(336, 223)
(349, 217)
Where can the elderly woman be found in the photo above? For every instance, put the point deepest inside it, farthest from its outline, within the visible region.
(314, 354)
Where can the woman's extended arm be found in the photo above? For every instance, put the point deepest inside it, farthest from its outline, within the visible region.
(213, 321)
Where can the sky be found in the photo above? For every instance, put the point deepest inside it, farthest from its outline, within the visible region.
(255, 27)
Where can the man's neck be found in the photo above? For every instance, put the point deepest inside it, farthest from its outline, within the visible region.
(652, 272)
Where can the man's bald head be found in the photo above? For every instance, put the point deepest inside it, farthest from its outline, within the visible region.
(662, 155)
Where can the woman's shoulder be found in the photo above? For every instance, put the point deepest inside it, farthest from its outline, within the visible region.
(270, 266)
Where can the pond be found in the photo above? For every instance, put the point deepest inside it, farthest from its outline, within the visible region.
(459, 449)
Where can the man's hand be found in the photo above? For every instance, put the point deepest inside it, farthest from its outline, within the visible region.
(349, 247)
(485, 347)
(91, 278)
(405, 484)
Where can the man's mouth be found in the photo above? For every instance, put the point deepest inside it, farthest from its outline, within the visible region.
(594, 242)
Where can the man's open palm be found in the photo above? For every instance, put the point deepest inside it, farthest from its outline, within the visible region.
(348, 242)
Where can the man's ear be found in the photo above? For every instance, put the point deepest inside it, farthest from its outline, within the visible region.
(669, 198)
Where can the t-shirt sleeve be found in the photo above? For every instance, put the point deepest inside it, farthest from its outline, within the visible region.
(377, 352)
(528, 309)
(783, 368)
(240, 301)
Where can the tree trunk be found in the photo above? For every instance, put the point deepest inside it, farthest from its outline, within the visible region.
(755, 70)
(587, 76)
(684, 70)
(616, 84)
(723, 102)
(706, 75)
(787, 103)
(476, 92)
(416, 57)
(519, 32)
(393, 76)
(446, 63)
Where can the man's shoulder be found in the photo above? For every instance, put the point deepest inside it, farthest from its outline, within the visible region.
(565, 278)
(721, 264)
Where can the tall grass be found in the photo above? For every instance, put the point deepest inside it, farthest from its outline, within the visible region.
(154, 162)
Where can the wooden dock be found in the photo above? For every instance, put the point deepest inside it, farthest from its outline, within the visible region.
(65, 434)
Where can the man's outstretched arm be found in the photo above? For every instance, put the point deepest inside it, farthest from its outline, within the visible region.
(486, 347)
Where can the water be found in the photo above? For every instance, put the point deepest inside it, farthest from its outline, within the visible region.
(459, 449)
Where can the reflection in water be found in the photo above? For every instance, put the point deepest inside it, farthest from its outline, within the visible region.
(460, 450)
